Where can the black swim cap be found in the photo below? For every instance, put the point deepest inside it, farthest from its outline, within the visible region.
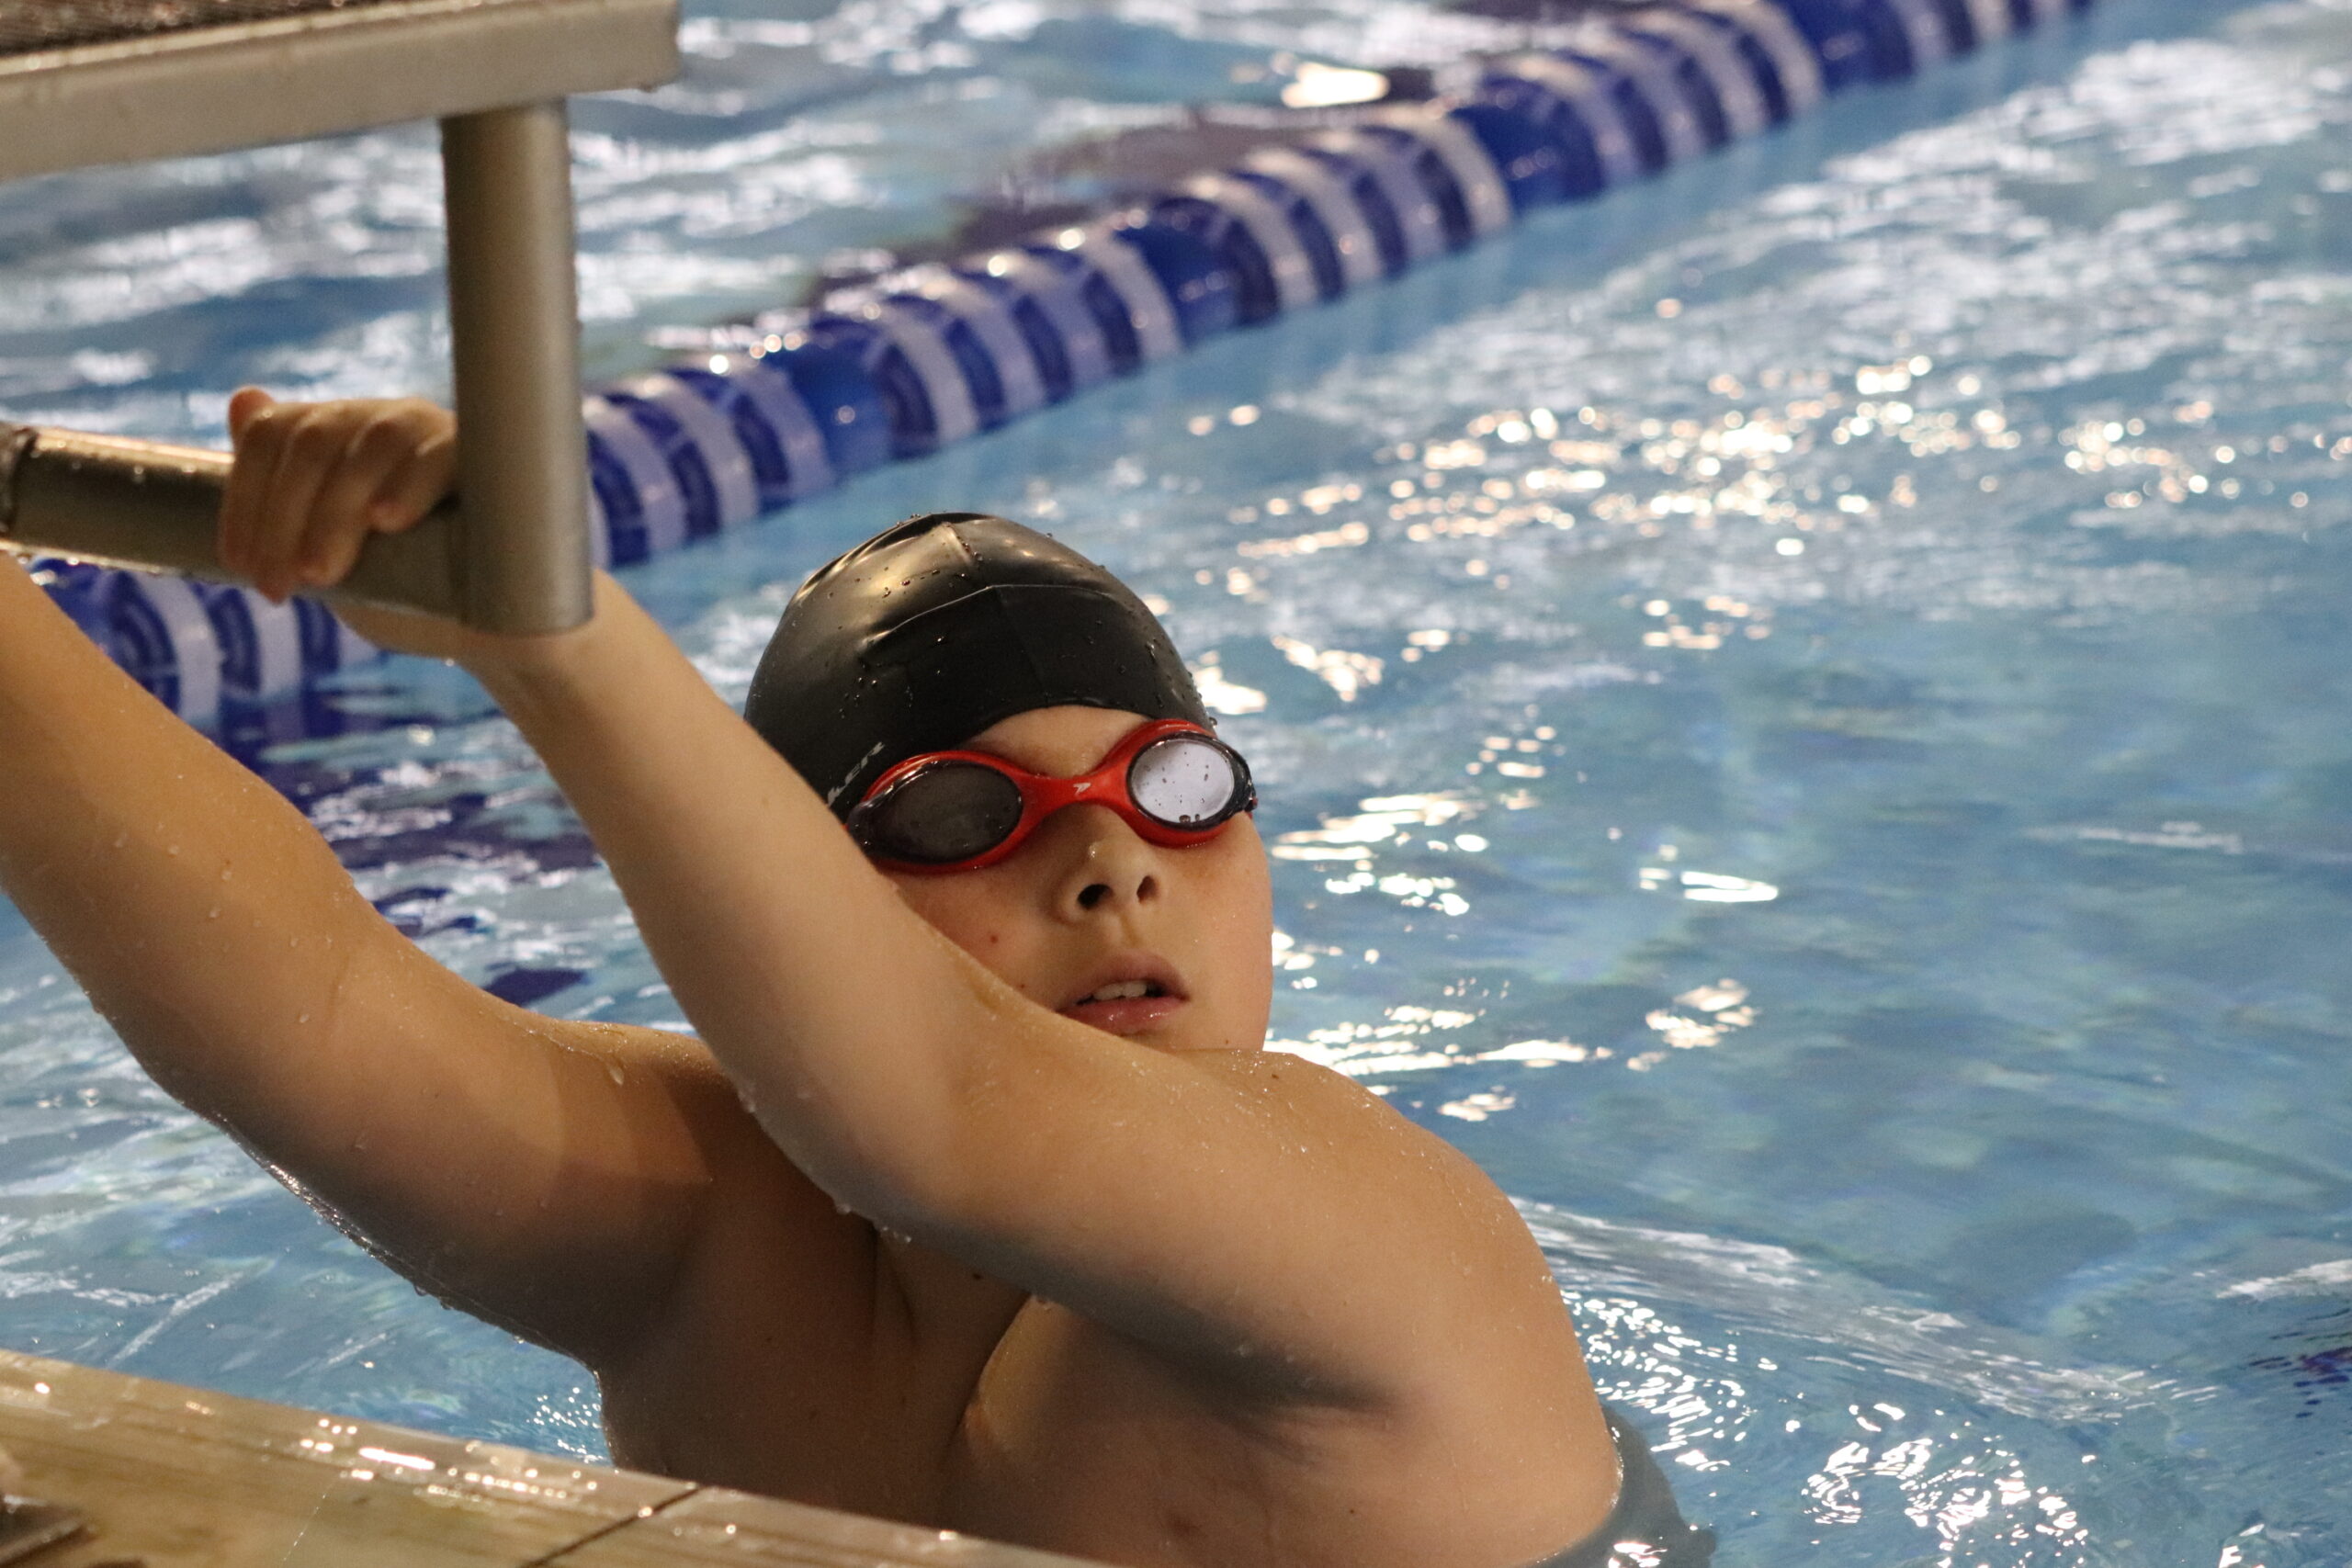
(929, 632)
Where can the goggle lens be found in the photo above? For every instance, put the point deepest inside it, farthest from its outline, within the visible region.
(1185, 780)
(948, 812)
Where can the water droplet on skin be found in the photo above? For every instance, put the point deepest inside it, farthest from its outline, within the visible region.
(171, 849)
(224, 874)
(213, 913)
(302, 1017)
(120, 839)
(615, 1069)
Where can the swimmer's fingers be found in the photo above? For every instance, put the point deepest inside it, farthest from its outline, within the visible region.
(398, 464)
(317, 443)
(426, 475)
(257, 427)
(312, 481)
(285, 455)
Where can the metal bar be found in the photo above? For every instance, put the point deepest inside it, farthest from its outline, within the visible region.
(522, 559)
(142, 503)
(323, 72)
(517, 559)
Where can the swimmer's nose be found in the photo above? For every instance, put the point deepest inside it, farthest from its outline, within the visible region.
(1106, 868)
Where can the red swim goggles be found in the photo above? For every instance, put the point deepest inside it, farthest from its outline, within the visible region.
(1174, 783)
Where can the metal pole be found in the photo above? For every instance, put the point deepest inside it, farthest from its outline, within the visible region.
(514, 556)
(523, 555)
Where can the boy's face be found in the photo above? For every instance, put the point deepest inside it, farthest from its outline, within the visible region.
(1085, 910)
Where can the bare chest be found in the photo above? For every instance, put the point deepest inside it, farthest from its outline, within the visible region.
(966, 1406)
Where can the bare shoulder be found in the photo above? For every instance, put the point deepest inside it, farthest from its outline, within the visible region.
(1321, 1289)
(1347, 1127)
(677, 1066)
(745, 1206)
(1401, 1211)
(1478, 1349)
(1204, 1199)
(659, 1195)
(687, 1122)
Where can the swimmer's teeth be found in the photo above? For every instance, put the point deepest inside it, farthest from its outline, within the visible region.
(1121, 991)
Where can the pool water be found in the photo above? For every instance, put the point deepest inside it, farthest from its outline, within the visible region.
(1797, 708)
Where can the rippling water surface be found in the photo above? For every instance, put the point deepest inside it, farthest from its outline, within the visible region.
(1800, 710)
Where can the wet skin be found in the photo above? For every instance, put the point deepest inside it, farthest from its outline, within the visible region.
(914, 1227)
(1022, 1420)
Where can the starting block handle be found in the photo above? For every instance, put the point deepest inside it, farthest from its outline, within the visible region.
(143, 503)
(515, 555)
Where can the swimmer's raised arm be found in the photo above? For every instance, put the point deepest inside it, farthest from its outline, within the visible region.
(544, 1173)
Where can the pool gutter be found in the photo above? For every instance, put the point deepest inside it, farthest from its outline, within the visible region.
(168, 1476)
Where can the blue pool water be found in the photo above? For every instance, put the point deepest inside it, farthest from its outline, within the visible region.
(1798, 707)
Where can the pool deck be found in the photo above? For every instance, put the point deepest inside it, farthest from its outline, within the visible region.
(165, 1476)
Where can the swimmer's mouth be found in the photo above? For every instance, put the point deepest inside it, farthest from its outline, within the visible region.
(1128, 1005)
(1125, 990)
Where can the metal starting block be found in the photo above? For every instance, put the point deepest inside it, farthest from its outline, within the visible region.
(91, 82)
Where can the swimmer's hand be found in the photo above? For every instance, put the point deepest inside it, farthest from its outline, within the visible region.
(311, 482)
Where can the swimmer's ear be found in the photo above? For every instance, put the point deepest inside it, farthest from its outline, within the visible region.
(245, 405)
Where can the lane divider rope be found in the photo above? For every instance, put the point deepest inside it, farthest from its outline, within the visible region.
(939, 353)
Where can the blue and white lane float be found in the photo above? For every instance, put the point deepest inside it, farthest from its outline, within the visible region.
(941, 353)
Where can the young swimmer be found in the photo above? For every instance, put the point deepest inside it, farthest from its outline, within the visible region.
(977, 1203)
